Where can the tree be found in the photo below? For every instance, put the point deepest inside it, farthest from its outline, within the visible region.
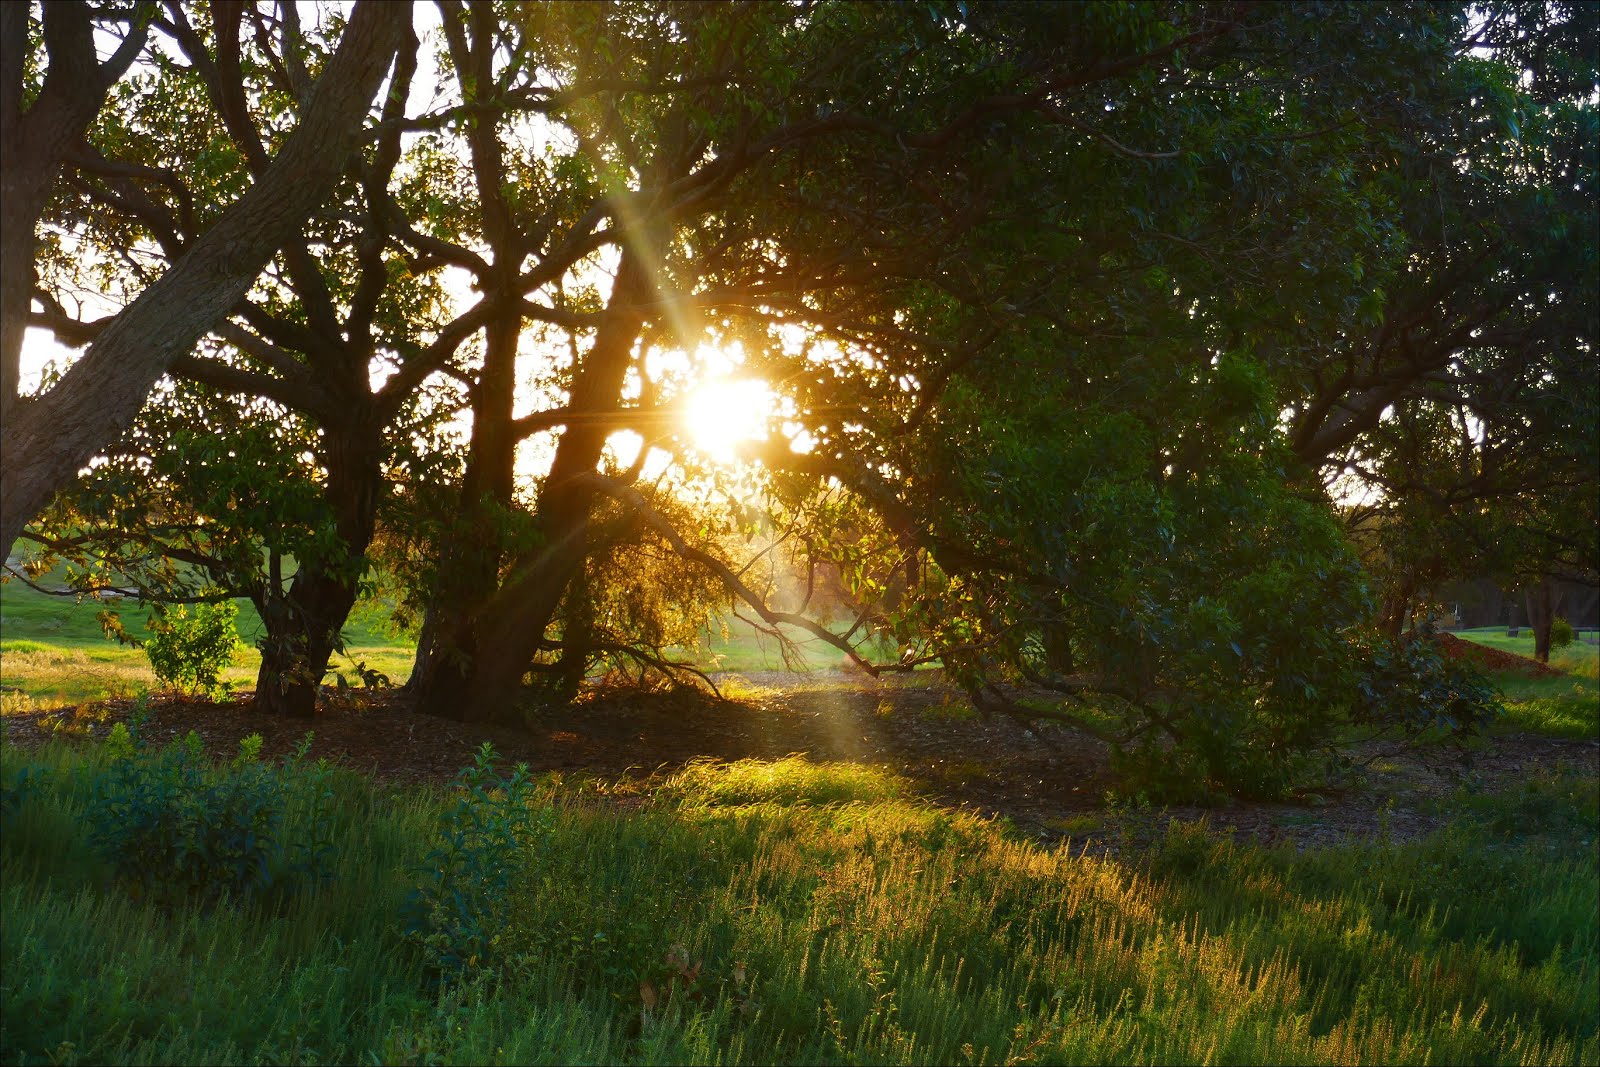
(753, 183)
(1066, 307)
(277, 407)
(49, 437)
(1469, 402)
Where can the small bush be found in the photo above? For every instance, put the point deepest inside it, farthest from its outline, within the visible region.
(1408, 690)
(460, 905)
(176, 829)
(190, 652)
(1561, 633)
(16, 789)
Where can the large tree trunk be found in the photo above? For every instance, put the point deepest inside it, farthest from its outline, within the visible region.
(1543, 602)
(483, 681)
(303, 627)
(302, 631)
(46, 440)
(469, 566)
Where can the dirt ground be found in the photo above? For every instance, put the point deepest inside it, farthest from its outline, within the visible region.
(1051, 791)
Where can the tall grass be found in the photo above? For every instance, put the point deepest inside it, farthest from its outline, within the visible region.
(793, 912)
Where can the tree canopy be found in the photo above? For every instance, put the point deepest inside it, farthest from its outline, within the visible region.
(1076, 322)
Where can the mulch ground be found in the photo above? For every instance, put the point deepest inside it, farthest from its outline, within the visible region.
(1050, 788)
(1491, 659)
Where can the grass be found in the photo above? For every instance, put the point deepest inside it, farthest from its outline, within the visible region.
(1566, 706)
(736, 645)
(799, 913)
(53, 651)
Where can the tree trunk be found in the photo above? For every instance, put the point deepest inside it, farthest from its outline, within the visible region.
(303, 628)
(46, 440)
(469, 567)
(302, 631)
(1058, 655)
(1543, 602)
(500, 635)
(1396, 609)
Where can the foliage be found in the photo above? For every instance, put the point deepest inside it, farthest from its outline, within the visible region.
(1561, 633)
(191, 652)
(1409, 688)
(460, 907)
(16, 789)
(1066, 310)
(176, 829)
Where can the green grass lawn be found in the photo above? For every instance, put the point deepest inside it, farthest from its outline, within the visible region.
(1567, 706)
(53, 651)
(744, 648)
(797, 913)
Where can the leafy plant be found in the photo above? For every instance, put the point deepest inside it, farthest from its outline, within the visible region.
(1561, 633)
(1408, 690)
(190, 652)
(16, 789)
(177, 829)
(461, 902)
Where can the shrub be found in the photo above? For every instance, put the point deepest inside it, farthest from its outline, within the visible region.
(177, 829)
(190, 652)
(460, 904)
(1561, 633)
(1408, 689)
(17, 789)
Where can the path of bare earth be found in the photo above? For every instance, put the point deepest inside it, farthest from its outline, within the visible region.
(1049, 791)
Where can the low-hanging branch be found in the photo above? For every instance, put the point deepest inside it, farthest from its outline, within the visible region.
(633, 498)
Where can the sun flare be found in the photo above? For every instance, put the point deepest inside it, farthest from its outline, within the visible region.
(722, 414)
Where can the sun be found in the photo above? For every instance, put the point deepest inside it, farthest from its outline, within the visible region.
(724, 413)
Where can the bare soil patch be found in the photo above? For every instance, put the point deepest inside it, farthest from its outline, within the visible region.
(1051, 789)
(1491, 659)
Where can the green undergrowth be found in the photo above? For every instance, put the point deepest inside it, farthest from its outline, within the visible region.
(783, 912)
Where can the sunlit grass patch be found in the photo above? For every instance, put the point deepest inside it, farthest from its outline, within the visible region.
(1565, 706)
(791, 780)
(55, 651)
(1575, 714)
(741, 690)
(1579, 659)
(51, 675)
(950, 708)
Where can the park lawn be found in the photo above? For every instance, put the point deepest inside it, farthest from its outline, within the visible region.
(1580, 658)
(53, 651)
(1566, 706)
(734, 645)
(790, 912)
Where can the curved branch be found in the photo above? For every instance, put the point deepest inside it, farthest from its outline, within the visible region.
(634, 499)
